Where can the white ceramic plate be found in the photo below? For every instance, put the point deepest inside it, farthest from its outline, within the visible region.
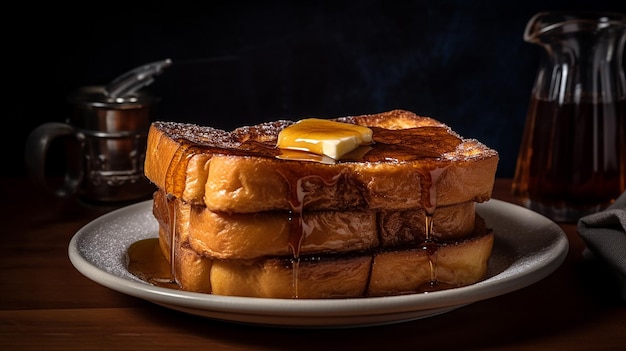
(527, 248)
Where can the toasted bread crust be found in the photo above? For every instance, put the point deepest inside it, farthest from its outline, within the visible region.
(378, 273)
(223, 235)
(238, 172)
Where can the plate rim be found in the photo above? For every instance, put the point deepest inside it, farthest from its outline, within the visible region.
(301, 308)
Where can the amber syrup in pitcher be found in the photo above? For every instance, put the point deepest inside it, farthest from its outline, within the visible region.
(572, 158)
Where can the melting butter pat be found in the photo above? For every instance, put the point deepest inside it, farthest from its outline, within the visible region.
(324, 137)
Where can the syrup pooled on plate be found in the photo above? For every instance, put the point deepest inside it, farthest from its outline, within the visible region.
(146, 262)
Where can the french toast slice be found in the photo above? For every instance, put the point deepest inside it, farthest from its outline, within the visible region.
(222, 235)
(383, 272)
(415, 162)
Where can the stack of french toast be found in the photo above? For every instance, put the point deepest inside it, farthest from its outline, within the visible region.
(241, 215)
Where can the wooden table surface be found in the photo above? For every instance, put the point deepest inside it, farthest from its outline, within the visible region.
(45, 303)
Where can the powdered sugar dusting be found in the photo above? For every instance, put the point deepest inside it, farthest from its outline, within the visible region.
(101, 242)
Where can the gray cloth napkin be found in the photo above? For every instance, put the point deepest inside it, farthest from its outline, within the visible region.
(605, 235)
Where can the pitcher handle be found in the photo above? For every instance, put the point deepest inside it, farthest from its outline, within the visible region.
(37, 144)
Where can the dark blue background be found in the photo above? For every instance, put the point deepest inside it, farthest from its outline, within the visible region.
(462, 62)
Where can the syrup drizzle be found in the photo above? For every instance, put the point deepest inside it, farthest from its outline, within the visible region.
(429, 182)
(298, 228)
(147, 261)
(173, 237)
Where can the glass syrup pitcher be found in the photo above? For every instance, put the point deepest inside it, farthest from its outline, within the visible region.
(572, 160)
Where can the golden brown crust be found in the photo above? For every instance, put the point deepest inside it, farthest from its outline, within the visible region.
(277, 278)
(454, 265)
(190, 269)
(240, 172)
(224, 235)
(383, 273)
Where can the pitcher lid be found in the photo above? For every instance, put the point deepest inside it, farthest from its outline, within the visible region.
(564, 22)
(95, 96)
